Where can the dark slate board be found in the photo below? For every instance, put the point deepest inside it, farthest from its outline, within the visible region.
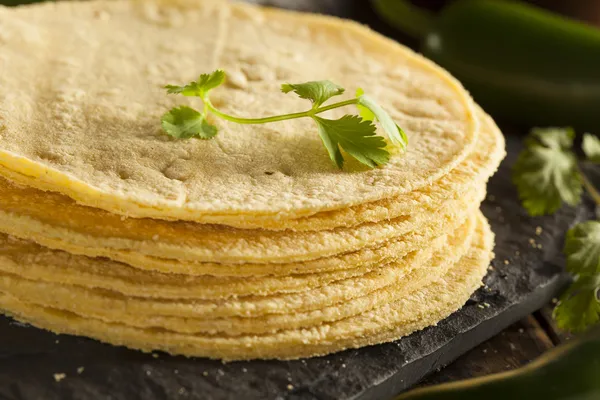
(29, 357)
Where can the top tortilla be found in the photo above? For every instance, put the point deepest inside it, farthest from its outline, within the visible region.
(81, 99)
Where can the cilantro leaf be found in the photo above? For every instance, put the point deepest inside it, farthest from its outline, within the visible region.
(201, 87)
(582, 248)
(185, 122)
(356, 136)
(318, 92)
(546, 172)
(591, 147)
(370, 110)
(579, 307)
(551, 137)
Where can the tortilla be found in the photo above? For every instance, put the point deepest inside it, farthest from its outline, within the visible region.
(55, 221)
(59, 267)
(384, 285)
(479, 165)
(250, 245)
(225, 252)
(33, 262)
(333, 294)
(389, 322)
(81, 98)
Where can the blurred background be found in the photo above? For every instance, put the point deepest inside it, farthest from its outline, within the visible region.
(585, 10)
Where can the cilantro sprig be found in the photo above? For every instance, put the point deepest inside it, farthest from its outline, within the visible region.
(579, 306)
(547, 175)
(354, 134)
(546, 172)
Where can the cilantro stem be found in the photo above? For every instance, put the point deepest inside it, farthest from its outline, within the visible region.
(589, 186)
(336, 105)
(276, 118)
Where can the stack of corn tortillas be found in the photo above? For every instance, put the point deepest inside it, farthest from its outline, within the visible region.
(250, 245)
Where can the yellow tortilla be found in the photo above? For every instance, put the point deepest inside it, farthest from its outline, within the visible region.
(333, 294)
(206, 249)
(33, 262)
(478, 166)
(358, 295)
(81, 98)
(57, 222)
(416, 311)
(59, 267)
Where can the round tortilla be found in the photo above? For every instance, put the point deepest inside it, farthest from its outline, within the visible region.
(57, 222)
(425, 307)
(59, 267)
(87, 123)
(478, 166)
(251, 253)
(337, 294)
(385, 285)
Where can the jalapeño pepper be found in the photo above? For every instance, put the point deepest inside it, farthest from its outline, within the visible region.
(518, 61)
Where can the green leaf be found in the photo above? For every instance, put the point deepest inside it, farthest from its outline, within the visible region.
(591, 147)
(318, 92)
(201, 87)
(546, 172)
(185, 122)
(355, 136)
(579, 307)
(363, 111)
(394, 132)
(403, 136)
(556, 138)
(582, 248)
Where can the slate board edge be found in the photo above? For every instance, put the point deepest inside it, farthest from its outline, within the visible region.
(459, 345)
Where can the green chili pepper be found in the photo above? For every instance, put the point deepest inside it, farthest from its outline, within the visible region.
(569, 372)
(17, 2)
(518, 61)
